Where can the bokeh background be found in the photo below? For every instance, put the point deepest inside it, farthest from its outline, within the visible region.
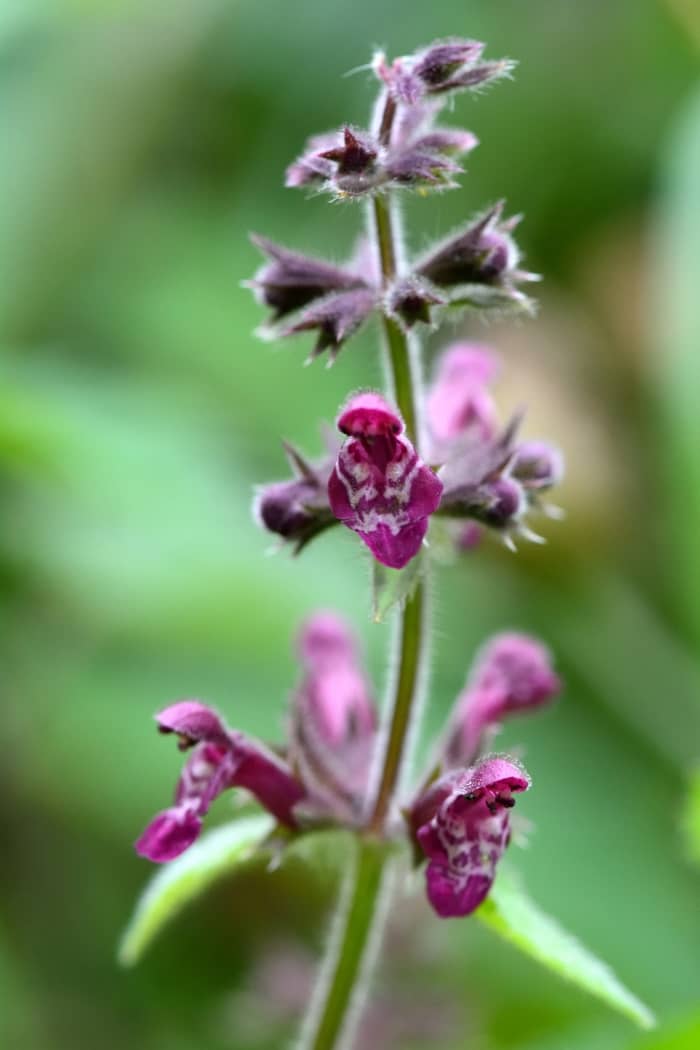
(140, 143)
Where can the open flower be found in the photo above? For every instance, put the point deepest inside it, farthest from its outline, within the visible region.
(380, 488)
(322, 776)
(221, 758)
(461, 824)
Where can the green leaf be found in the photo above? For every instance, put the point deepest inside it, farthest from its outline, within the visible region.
(392, 586)
(510, 913)
(674, 317)
(691, 818)
(216, 853)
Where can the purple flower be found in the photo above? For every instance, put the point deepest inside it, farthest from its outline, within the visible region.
(340, 701)
(220, 759)
(460, 400)
(334, 720)
(461, 824)
(512, 675)
(380, 488)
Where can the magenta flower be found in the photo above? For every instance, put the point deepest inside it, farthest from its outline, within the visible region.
(380, 488)
(461, 824)
(333, 721)
(460, 400)
(337, 690)
(221, 759)
(513, 674)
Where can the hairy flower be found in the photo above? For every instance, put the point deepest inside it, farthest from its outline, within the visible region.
(379, 487)
(512, 675)
(461, 824)
(460, 400)
(221, 758)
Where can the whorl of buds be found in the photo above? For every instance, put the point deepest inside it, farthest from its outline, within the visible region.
(443, 67)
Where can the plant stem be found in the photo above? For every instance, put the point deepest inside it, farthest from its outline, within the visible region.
(359, 922)
(411, 650)
(400, 364)
(412, 627)
(349, 952)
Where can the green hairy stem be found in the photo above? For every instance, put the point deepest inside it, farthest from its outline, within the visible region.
(359, 921)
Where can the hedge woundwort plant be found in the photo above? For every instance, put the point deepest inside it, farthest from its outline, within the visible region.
(404, 457)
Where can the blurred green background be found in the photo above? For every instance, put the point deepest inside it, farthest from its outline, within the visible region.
(140, 142)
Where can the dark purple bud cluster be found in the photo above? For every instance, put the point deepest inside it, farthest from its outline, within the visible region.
(476, 267)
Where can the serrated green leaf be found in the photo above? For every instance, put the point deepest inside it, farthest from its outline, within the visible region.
(514, 916)
(392, 586)
(216, 853)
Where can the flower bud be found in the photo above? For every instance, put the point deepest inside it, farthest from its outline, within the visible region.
(537, 465)
(482, 253)
(459, 400)
(513, 674)
(410, 301)
(292, 280)
(297, 509)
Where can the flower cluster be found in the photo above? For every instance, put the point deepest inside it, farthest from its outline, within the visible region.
(477, 266)
(378, 486)
(458, 819)
(395, 463)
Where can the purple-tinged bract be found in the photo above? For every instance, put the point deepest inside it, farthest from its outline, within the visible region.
(291, 280)
(380, 487)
